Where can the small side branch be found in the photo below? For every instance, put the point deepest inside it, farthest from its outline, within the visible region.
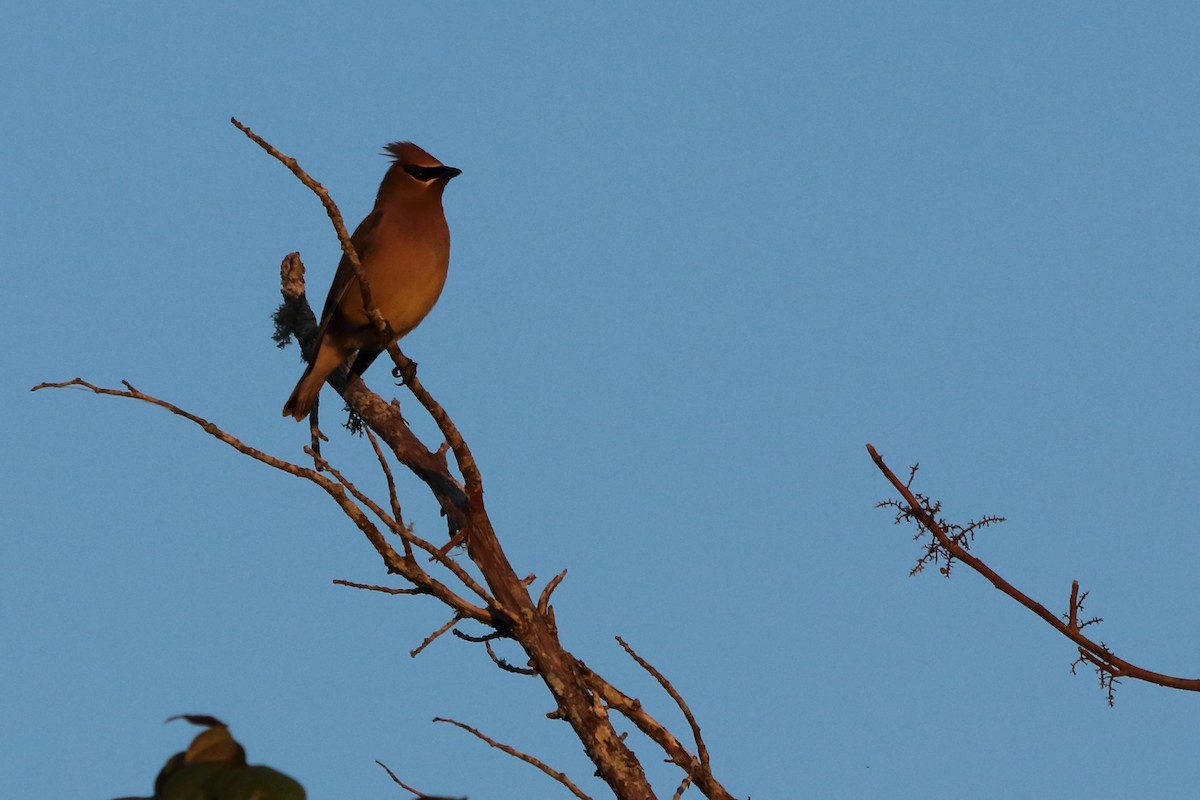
(431, 638)
(486, 640)
(504, 664)
(373, 588)
(335, 216)
(515, 753)
(631, 708)
(397, 515)
(701, 750)
(543, 603)
(407, 369)
(339, 493)
(407, 788)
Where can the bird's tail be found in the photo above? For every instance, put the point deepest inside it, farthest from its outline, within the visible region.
(304, 395)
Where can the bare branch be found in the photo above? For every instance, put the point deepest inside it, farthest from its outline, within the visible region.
(578, 691)
(1095, 653)
(487, 637)
(393, 561)
(428, 583)
(505, 665)
(543, 603)
(486, 640)
(631, 709)
(360, 496)
(391, 485)
(407, 788)
(339, 226)
(515, 753)
(450, 564)
(405, 534)
(407, 369)
(373, 588)
(433, 636)
(563, 674)
(701, 750)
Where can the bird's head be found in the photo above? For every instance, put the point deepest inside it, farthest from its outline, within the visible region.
(420, 167)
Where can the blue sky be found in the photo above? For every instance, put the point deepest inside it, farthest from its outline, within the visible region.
(702, 254)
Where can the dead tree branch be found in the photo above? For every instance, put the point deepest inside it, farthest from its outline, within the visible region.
(417, 795)
(701, 750)
(338, 491)
(508, 610)
(924, 513)
(515, 753)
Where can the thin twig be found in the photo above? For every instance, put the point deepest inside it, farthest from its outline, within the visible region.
(504, 664)
(398, 782)
(359, 495)
(433, 636)
(392, 560)
(407, 788)
(487, 637)
(374, 588)
(473, 482)
(339, 226)
(456, 569)
(701, 749)
(404, 533)
(512, 751)
(391, 484)
(631, 708)
(1073, 608)
(315, 436)
(683, 787)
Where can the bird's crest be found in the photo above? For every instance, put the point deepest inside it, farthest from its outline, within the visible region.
(409, 153)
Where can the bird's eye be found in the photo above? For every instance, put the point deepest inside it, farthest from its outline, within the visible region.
(421, 173)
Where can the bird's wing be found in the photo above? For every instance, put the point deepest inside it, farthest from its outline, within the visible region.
(344, 277)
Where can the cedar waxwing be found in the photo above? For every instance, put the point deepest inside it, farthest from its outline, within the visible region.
(404, 248)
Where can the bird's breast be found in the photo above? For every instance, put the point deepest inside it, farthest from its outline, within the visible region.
(407, 269)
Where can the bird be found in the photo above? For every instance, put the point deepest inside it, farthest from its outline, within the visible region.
(403, 246)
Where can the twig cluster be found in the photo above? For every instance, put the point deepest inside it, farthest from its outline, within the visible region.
(960, 536)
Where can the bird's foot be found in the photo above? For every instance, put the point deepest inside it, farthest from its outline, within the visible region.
(405, 373)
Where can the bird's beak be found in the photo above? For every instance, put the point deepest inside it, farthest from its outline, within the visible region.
(450, 172)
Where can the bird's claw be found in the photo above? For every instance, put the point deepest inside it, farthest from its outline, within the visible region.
(406, 373)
